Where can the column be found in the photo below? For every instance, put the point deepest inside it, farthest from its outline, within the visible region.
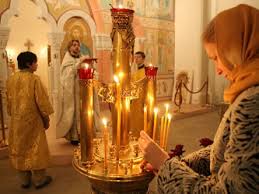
(4, 36)
(55, 40)
(103, 47)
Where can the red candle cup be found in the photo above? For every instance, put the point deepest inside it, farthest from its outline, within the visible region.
(86, 73)
(151, 71)
(122, 10)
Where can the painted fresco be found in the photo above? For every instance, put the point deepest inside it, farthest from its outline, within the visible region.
(77, 28)
(164, 47)
(4, 5)
(58, 7)
(161, 9)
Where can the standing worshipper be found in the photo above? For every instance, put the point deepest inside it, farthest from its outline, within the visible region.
(231, 40)
(29, 108)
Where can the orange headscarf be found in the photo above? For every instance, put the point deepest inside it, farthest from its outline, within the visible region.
(237, 40)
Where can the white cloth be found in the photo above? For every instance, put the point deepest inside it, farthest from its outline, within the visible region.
(68, 89)
(69, 118)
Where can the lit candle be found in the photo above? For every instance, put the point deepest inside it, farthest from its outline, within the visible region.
(165, 119)
(105, 142)
(145, 119)
(155, 123)
(118, 100)
(169, 117)
(166, 109)
(162, 131)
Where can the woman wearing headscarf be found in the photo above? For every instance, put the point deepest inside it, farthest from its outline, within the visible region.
(231, 40)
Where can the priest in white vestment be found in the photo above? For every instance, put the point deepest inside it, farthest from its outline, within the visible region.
(68, 124)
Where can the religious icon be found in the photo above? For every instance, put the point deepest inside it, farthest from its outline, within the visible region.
(77, 29)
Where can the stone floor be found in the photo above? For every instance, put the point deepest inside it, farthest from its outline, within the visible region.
(185, 130)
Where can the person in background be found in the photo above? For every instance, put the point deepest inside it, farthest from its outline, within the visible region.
(29, 108)
(68, 122)
(231, 41)
(137, 105)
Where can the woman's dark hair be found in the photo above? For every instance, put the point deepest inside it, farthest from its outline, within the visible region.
(26, 59)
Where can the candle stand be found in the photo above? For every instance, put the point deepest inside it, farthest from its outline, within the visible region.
(112, 162)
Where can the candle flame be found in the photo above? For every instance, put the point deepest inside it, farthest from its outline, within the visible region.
(120, 6)
(166, 106)
(116, 79)
(150, 65)
(155, 110)
(145, 109)
(104, 120)
(85, 65)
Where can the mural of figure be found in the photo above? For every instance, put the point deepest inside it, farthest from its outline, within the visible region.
(77, 34)
(58, 4)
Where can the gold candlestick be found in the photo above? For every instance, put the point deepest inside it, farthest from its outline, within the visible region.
(150, 72)
(145, 119)
(155, 123)
(162, 131)
(169, 117)
(118, 107)
(86, 110)
(105, 143)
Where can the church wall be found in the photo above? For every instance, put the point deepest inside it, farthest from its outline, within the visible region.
(190, 20)
(188, 48)
(27, 26)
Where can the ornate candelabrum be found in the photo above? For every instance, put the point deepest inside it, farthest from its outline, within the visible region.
(112, 164)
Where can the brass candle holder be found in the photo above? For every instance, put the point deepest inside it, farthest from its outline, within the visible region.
(150, 98)
(86, 73)
(112, 163)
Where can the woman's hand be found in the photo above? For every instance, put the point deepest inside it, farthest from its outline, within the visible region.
(153, 154)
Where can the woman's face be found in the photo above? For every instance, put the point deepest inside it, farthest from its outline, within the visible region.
(212, 52)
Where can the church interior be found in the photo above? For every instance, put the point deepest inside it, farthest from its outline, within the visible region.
(167, 31)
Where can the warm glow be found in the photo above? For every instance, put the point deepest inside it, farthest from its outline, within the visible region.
(43, 52)
(10, 53)
(116, 79)
(104, 120)
(166, 107)
(120, 6)
(155, 110)
(127, 101)
(151, 99)
(85, 65)
(150, 65)
(169, 116)
(120, 75)
(145, 109)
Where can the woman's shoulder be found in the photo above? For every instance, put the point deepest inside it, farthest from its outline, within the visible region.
(248, 98)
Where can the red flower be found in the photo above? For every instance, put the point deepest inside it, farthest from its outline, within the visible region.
(205, 142)
(178, 151)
